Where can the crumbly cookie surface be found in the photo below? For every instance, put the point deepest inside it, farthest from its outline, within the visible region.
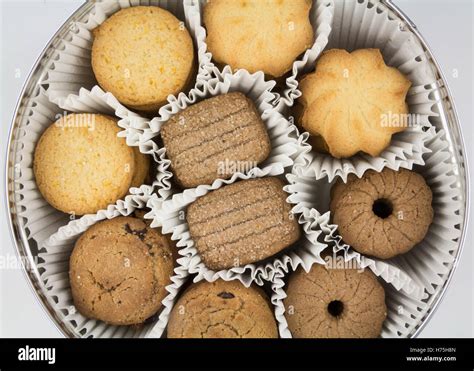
(142, 54)
(214, 139)
(119, 269)
(80, 164)
(222, 310)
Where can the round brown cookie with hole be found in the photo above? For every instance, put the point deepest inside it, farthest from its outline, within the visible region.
(119, 269)
(222, 309)
(334, 303)
(382, 214)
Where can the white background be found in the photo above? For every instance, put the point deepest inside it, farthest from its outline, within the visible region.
(26, 27)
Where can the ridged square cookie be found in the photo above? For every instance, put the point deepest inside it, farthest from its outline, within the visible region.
(214, 139)
(242, 223)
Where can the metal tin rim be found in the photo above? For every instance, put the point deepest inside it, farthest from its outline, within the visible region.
(17, 233)
(19, 237)
(441, 294)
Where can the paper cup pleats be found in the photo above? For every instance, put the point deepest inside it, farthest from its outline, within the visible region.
(69, 77)
(413, 282)
(359, 25)
(55, 253)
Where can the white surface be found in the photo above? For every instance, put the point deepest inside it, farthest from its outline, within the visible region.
(447, 26)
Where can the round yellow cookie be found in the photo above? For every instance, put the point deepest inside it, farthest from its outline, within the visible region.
(81, 165)
(141, 55)
(258, 35)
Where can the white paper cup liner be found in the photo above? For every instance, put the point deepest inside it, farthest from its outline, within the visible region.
(54, 269)
(403, 311)
(180, 280)
(69, 78)
(169, 215)
(284, 137)
(369, 24)
(174, 289)
(41, 219)
(321, 15)
(424, 268)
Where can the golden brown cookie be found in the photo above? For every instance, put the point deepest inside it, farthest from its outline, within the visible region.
(142, 54)
(334, 303)
(382, 214)
(354, 102)
(81, 165)
(214, 139)
(242, 223)
(119, 269)
(222, 309)
(258, 35)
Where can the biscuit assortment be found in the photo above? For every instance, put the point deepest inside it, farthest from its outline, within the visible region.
(119, 268)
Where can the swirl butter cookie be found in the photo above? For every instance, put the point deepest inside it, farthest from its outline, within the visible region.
(119, 269)
(141, 55)
(222, 309)
(354, 102)
(81, 165)
(258, 35)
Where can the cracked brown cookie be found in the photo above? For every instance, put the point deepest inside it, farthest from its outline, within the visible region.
(334, 303)
(119, 269)
(242, 223)
(222, 309)
(214, 139)
(382, 214)
(81, 166)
